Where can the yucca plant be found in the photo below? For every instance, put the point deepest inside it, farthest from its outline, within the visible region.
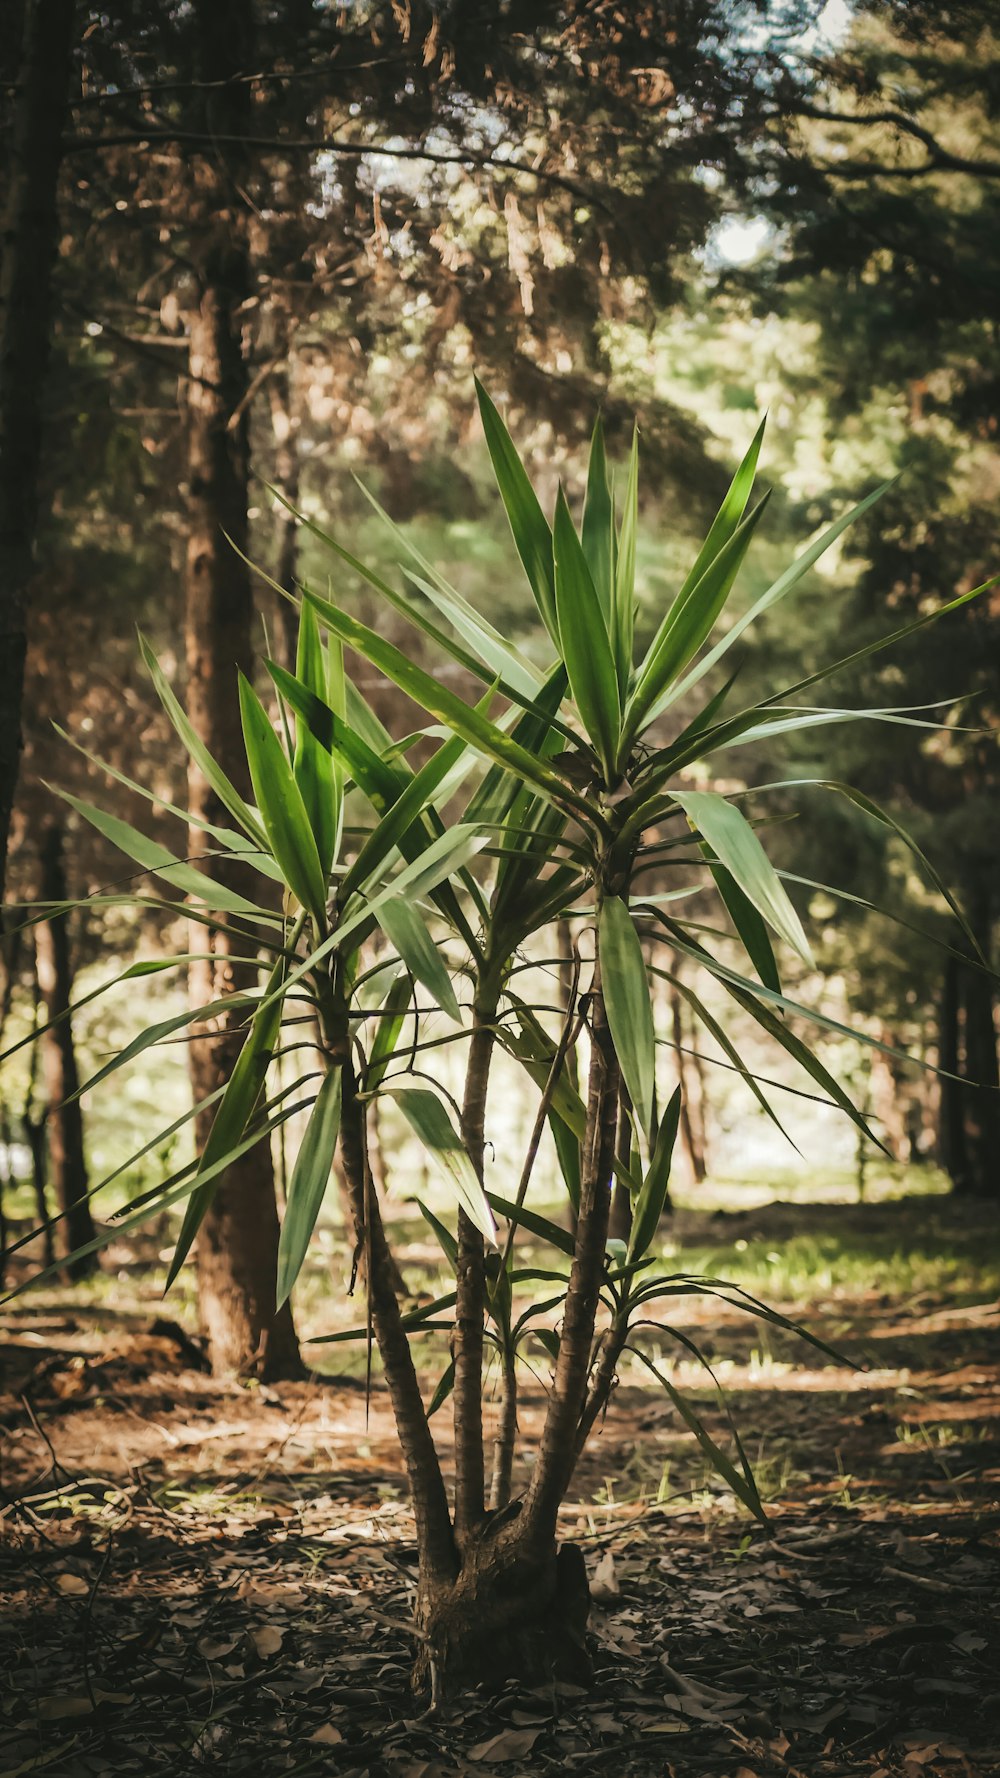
(567, 798)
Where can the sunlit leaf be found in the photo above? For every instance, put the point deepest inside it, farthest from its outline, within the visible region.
(280, 802)
(406, 929)
(235, 1111)
(649, 1205)
(156, 858)
(436, 698)
(308, 1183)
(689, 621)
(623, 621)
(784, 584)
(213, 774)
(625, 986)
(585, 643)
(532, 536)
(598, 530)
(390, 1024)
(736, 846)
(242, 847)
(313, 767)
(428, 1118)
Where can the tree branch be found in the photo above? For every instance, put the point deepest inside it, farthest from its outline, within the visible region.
(336, 145)
(939, 159)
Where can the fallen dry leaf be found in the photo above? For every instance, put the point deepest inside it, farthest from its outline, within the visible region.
(267, 1640)
(605, 1587)
(216, 1650)
(510, 1744)
(53, 1709)
(72, 1584)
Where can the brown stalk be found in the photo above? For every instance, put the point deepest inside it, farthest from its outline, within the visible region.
(557, 1452)
(612, 1345)
(430, 1503)
(470, 1302)
(503, 1444)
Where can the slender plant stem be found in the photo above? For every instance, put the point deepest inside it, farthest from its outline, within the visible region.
(503, 1444)
(620, 1223)
(430, 1502)
(602, 1379)
(470, 1302)
(557, 1452)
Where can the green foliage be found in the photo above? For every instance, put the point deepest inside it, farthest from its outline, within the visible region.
(308, 1184)
(461, 868)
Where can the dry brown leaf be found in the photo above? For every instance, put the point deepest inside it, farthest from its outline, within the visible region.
(213, 1649)
(328, 1735)
(605, 1587)
(73, 1585)
(267, 1640)
(969, 1643)
(510, 1744)
(53, 1709)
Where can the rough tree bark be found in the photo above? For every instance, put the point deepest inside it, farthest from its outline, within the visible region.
(982, 1099)
(886, 1103)
(952, 1150)
(67, 1163)
(237, 1246)
(284, 425)
(28, 247)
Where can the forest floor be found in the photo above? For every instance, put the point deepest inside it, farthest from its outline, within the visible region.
(200, 1576)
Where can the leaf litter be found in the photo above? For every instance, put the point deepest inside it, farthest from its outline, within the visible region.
(236, 1598)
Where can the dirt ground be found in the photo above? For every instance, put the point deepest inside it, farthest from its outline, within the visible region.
(201, 1576)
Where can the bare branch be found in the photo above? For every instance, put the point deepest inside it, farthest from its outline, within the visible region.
(939, 159)
(470, 159)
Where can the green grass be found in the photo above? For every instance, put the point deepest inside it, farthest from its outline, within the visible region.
(813, 1252)
(942, 1262)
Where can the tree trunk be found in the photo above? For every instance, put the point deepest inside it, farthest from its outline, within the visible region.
(238, 1243)
(952, 1150)
(64, 1120)
(10, 949)
(518, 1604)
(982, 1099)
(887, 1107)
(377, 1164)
(284, 426)
(28, 246)
(32, 1125)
